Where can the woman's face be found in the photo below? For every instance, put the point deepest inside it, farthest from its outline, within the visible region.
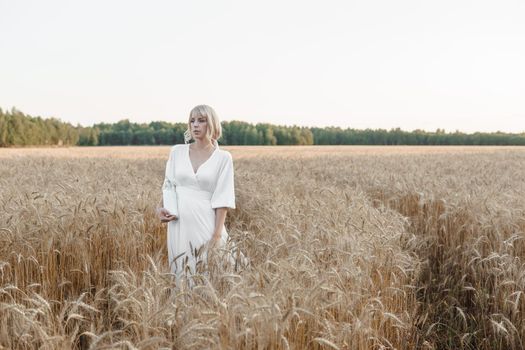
(199, 127)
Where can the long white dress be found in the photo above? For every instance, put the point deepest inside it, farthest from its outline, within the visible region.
(198, 194)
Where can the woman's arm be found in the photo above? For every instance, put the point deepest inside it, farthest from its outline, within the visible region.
(162, 213)
(220, 218)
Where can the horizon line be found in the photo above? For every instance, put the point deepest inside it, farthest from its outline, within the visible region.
(449, 131)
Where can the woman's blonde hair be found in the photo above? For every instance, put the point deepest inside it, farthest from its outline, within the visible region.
(214, 129)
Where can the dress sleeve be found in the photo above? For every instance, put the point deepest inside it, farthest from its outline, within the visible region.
(224, 194)
(169, 180)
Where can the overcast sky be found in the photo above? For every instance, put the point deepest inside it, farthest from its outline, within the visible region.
(362, 64)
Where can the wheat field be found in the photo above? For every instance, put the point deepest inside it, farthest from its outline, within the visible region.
(350, 248)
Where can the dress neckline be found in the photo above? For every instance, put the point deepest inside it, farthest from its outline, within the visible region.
(200, 166)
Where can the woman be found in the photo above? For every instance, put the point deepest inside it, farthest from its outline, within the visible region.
(203, 178)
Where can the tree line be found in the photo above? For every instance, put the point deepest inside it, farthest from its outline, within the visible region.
(19, 129)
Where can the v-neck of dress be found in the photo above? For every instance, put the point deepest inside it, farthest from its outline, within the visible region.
(200, 166)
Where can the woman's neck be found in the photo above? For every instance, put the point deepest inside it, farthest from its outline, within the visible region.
(203, 144)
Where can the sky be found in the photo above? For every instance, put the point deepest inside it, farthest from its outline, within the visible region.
(413, 64)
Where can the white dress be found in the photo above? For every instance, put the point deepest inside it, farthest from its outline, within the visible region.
(198, 194)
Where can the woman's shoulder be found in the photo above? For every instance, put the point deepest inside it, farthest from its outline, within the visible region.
(176, 149)
(225, 155)
(177, 146)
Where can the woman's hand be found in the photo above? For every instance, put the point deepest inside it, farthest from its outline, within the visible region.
(215, 240)
(165, 216)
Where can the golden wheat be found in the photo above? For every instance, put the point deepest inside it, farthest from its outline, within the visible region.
(349, 248)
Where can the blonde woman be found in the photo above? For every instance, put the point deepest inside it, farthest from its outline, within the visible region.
(202, 175)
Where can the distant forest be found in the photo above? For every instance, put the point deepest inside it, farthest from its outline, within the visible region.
(19, 129)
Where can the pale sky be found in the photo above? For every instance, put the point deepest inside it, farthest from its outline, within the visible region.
(449, 64)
